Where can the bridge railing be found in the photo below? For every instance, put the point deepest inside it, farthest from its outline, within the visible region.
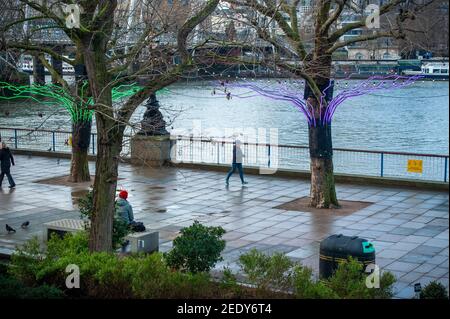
(399, 165)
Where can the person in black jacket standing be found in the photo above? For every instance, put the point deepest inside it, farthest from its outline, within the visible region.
(6, 159)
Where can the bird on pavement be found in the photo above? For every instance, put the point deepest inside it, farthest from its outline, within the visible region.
(9, 229)
(25, 224)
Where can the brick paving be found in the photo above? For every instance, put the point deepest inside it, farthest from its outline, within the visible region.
(409, 227)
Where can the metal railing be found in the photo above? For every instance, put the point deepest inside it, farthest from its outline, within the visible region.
(49, 140)
(346, 161)
(215, 151)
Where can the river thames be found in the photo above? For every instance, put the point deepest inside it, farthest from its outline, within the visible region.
(411, 119)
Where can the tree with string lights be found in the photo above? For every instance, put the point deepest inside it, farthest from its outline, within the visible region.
(283, 24)
(117, 42)
(79, 109)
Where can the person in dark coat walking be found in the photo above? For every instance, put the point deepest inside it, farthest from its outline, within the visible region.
(237, 163)
(6, 159)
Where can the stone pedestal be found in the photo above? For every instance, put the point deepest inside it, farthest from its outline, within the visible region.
(150, 150)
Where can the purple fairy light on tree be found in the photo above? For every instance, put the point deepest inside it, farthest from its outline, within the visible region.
(314, 98)
(293, 92)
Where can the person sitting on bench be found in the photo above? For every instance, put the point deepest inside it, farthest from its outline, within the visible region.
(124, 211)
(123, 208)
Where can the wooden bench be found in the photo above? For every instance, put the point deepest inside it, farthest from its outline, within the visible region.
(147, 241)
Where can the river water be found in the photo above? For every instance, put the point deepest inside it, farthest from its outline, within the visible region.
(411, 119)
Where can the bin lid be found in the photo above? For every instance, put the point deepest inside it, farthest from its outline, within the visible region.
(346, 245)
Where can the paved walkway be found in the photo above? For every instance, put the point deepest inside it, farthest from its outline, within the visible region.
(409, 227)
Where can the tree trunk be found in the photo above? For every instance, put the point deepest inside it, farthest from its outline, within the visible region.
(109, 145)
(323, 190)
(81, 137)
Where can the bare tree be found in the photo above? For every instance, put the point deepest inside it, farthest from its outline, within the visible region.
(428, 31)
(117, 42)
(307, 52)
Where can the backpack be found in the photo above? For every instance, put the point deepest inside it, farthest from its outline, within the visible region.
(138, 227)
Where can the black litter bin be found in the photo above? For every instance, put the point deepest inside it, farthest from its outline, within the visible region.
(337, 248)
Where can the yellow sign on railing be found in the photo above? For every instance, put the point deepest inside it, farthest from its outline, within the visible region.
(415, 166)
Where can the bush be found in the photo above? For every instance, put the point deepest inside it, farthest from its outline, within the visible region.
(349, 281)
(278, 272)
(434, 290)
(120, 228)
(3, 268)
(267, 272)
(106, 275)
(13, 288)
(305, 287)
(197, 249)
(26, 261)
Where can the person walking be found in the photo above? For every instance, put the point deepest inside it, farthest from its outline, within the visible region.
(6, 159)
(238, 155)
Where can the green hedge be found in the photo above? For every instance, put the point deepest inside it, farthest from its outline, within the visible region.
(106, 275)
(279, 273)
(11, 287)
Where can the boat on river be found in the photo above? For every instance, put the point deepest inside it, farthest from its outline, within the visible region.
(431, 70)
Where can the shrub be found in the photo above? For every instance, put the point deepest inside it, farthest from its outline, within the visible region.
(197, 249)
(10, 287)
(26, 261)
(305, 287)
(434, 290)
(120, 228)
(229, 283)
(349, 281)
(13, 288)
(3, 268)
(278, 272)
(106, 275)
(267, 272)
(30, 265)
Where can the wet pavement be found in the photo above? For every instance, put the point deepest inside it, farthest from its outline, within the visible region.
(409, 227)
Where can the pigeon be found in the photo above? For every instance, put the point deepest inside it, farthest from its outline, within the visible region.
(40, 114)
(9, 229)
(25, 224)
(49, 150)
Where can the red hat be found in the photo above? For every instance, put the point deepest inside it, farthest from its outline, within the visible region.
(123, 194)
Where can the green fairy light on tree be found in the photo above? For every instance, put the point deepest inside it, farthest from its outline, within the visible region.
(80, 108)
(55, 95)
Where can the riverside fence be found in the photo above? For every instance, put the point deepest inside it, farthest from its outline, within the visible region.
(399, 165)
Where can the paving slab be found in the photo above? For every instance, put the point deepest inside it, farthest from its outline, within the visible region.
(409, 227)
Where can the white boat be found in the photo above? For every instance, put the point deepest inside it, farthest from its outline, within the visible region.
(432, 70)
